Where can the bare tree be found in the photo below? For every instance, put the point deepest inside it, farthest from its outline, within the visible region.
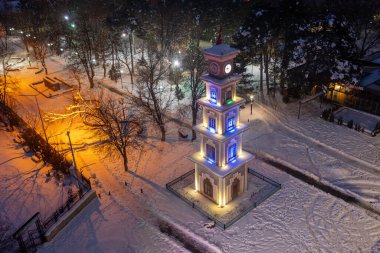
(40, 45)
(77, 72)
(194, 62)
(126, 51)
(5, 56)
(118, 127)
(81, 40)
(153, 95)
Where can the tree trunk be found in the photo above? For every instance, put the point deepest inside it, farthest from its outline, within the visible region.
(194, 114)
(266, 66)
(284, 67)
(261, 72)
(163, 132)
(142, 49)
(4, 88)
(104, 64)
(44, 65)
(26, 45)
(125, 162)
(131, 53)
(91, 80)
(133, 43)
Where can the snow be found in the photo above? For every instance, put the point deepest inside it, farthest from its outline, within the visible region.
(345, 158)
(297, 218)
(365, 120)
(221, 49)
(25, 187)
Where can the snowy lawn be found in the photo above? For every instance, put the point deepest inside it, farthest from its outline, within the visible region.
(310, 124)
(265, 136)
(298, 218)
(25, 187)
(368, 121)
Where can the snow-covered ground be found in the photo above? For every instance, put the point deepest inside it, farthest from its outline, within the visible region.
(365, 120)
(25, 187)
(298, 218)
(342, 156)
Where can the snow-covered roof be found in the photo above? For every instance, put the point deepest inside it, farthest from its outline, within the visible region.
(374, 88)
(221, 108)
(221, 82)
(375, 57)
(242, 159)
(370, 79)
(240, 128)
(221, 50)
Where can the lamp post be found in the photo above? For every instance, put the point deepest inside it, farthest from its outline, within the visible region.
(251, 97)
(71, 148)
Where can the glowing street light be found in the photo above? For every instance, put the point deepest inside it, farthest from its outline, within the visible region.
(176, 63)
(72, 25)
(123, 35)
(251, 97)
(66, 17)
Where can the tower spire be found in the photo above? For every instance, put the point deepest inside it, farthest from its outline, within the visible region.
(219, 39)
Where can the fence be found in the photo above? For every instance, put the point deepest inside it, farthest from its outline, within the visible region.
(29, 239)
(258, 198)
(70, 202)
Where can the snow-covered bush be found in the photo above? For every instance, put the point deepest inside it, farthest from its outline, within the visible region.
(340, 120)
(350, 123)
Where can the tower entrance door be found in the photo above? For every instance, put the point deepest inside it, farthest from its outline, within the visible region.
(207, 187)
(235, 188)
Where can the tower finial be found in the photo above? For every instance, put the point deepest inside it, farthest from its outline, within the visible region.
(219, 39)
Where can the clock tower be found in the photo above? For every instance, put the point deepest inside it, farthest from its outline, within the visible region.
(221, 163)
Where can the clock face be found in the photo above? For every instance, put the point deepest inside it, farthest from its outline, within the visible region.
(227, 68)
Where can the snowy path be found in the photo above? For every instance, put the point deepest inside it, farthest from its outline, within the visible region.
(269, 135)
(319, 146)
(137, 233)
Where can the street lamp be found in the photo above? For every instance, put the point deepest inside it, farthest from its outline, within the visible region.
(251, 97)
(176, 63)
(66, 17)
(71, 148)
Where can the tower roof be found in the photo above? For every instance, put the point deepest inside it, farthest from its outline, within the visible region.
(221, 50)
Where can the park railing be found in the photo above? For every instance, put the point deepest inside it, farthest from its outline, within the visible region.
(70, 202)
(256, 199)
(29, 236)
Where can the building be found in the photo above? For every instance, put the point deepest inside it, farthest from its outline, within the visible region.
(221, 163)
(365, 95)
